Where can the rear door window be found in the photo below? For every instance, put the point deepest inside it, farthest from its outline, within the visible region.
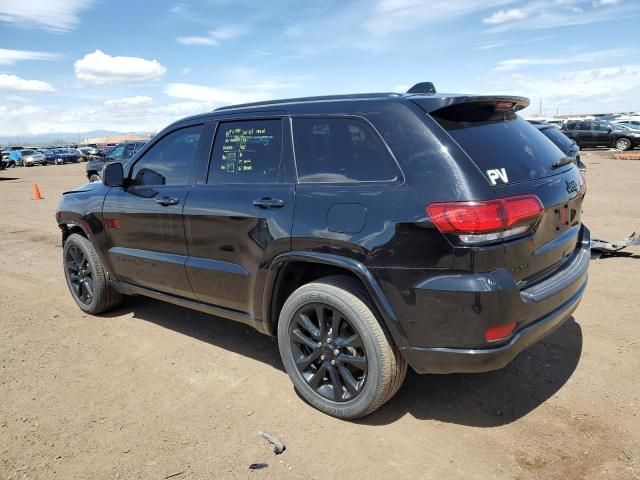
(499, 139)
(248, 151)
(340, 150)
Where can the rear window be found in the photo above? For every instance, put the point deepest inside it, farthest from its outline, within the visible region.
(340, 150)
(504, 146)
(558, 137)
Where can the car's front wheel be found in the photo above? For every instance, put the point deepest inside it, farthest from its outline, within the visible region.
(86, 277)
(623, 144)
(335, 350)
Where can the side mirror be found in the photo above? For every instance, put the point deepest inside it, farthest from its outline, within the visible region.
(113, 175)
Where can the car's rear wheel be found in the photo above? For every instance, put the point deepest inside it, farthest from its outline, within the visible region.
(622, 144)
(335, 350)
(94, 177)
(86, 277)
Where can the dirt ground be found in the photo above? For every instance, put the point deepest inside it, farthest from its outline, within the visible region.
(157, 391)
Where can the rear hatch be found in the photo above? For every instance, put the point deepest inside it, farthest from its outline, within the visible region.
(516, 159)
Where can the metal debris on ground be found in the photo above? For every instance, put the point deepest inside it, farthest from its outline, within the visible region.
(278, 446)
(258, 466)
(602, 248)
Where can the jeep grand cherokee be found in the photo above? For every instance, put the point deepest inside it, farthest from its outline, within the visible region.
(367, 232)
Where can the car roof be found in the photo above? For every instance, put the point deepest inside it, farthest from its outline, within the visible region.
(350, 103)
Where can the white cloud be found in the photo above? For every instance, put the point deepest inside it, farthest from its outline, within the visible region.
(212, 94)
(390, 16)
(13, 83)
(214, 37)
(109, 115)
(9, 57)
(101, 68)
(502, 16)
(594, 90)
(52, 15)
(186, 71)
(559, 13)
(136, 101)
(590, 57)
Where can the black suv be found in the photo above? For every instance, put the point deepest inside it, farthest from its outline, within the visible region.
(119, 153)
(367, 232)
(596, 133)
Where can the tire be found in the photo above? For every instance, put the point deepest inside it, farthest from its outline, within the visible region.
(374, 350)
(104, 297)
(94, 177)
(12, 165)
(622, 144)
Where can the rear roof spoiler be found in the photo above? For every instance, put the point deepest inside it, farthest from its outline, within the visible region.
(432, 103)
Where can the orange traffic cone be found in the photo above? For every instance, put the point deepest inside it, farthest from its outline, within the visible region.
(36, 193)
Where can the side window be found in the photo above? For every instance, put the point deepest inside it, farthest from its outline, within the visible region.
(170, 161)
(247, 151)
(116, 152)
(602, 127)
(571, 126)
(584, 126)
(340, 150)
(129, 150)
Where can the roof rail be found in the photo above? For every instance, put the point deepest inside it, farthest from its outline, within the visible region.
(354, 96)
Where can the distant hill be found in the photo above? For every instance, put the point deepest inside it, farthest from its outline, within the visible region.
(62, 137)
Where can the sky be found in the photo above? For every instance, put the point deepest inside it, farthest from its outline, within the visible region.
(82, 65)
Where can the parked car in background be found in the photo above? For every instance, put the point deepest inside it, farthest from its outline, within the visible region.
(4, 159)
(442, 232)
(32, 157)
(59, 156)
(635, 124)
(121, 152)
(88, 150)
(595, 133)
(568, 146)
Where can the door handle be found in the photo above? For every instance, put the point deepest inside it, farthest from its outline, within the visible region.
(269, 203)
(166, 201)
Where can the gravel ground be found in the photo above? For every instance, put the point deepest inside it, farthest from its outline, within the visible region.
(157, 391)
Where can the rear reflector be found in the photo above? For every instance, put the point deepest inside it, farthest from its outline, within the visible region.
(486, 220)
(500, 332)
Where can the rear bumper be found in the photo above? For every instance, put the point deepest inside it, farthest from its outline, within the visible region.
(449, 314)
(450, 360)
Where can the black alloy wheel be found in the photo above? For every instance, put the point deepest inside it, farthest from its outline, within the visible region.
(328, 352)
(80, 275)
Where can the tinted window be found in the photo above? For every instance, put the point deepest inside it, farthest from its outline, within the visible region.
(570, 126)
(584, 126)
(129, 150)
(170, 161)
(496, 139)
(602, 127)
(246, 152)
(340, 150)
(116, 153)
(557, 137)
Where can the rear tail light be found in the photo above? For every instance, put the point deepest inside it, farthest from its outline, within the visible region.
(486, 220)
(500, 332)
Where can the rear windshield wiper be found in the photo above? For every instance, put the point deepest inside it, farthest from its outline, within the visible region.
(561, 163)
